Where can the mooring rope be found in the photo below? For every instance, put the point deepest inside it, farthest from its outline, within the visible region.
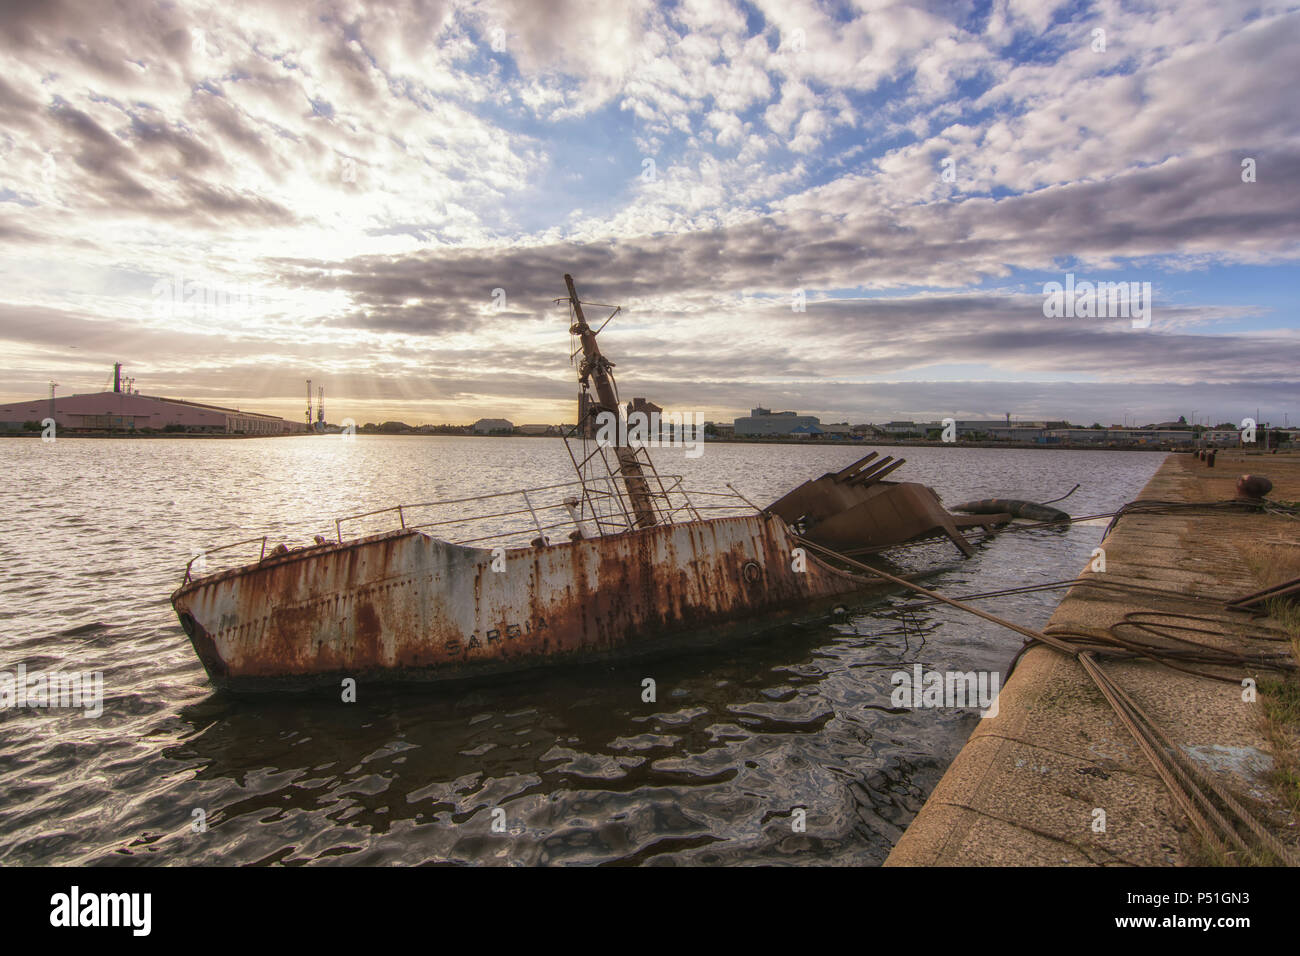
(1187, 783)
(1176, 621)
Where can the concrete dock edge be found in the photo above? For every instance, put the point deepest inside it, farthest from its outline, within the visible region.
(1032, 783)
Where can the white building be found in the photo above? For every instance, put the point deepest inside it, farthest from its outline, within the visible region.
(763, 421)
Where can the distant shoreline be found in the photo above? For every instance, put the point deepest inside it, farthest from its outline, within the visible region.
(814, 443)
(66, 436)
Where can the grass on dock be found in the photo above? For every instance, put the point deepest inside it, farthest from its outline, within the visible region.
(1281, 721)
(1273, 562)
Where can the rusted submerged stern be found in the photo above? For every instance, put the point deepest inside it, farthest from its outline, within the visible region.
(407, 605)
(855, 511)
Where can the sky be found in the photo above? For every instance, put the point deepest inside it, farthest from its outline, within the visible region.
(847, 209)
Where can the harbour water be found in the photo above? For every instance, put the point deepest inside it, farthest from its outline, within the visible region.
(550, 767)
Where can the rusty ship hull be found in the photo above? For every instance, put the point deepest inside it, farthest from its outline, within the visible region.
(407, 605)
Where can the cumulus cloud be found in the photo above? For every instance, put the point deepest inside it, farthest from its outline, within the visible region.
(378, 171)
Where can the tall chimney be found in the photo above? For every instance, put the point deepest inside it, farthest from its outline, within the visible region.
(117, 376)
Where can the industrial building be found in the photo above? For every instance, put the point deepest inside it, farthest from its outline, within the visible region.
(1118, 436)
(763, 421)
(124, 410)
(994, 429)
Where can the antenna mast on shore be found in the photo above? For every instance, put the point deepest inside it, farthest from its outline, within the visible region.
(309, 404)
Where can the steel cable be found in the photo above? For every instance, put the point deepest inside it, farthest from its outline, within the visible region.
(1186, 783)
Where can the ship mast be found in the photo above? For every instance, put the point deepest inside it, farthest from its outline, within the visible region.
(596, 367)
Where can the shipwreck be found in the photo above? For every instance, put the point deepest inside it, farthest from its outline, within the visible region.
(619, 561)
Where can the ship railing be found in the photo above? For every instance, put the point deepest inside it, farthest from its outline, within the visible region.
(202, 556)
(594, 507)
(734, 501)
(667, 502)
(408, 514)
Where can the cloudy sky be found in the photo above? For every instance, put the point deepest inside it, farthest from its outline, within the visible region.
(233, 197)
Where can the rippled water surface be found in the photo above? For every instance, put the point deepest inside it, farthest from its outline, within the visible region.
(574, 765)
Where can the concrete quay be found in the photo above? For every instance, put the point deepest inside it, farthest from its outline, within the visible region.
(1027, 787)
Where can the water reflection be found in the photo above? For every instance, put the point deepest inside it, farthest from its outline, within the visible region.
(583, 769)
